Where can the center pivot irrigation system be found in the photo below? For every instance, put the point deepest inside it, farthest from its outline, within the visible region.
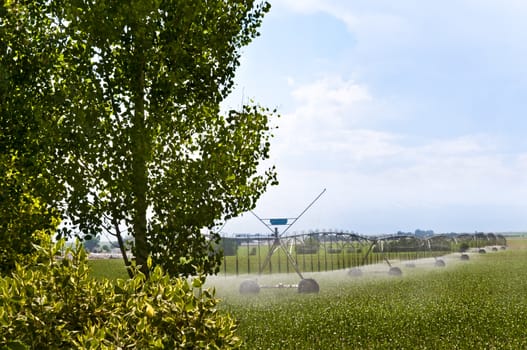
(306, 285)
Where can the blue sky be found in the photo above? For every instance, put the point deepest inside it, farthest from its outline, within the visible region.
(411, 114)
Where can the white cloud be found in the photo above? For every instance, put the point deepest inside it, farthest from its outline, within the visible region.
(322, 144)
(363, 18)
(304, 6)
(328, 103)
(332, 91)
(491, 30)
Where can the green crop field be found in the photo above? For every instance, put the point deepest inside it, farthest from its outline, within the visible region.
(476, 304)
(109, 268)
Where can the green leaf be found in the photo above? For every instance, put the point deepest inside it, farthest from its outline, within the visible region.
(16, 345)
(197, 283)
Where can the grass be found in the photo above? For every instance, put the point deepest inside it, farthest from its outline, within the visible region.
(109, 268)
(475, 304)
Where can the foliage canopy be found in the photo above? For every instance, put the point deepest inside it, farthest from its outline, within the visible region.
(126, 97)
(28, 190)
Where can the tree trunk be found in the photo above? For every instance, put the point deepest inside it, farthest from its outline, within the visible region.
(122, 247)
(140, 153)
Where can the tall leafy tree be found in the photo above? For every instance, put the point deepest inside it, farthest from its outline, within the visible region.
(28, 190)
(133, 109)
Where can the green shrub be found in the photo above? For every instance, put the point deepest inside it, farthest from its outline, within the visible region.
(55, 303)
(464, 247)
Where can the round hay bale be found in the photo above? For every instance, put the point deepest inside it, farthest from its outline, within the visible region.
(355, 272)
(482, 251)
(308, 285)
(440, 263)
(395, 271)
(249, 287)
(465, 257)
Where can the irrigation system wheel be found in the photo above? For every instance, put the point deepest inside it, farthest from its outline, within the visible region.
(355, 272)
(395, 271)
(249, 287)
(440, 263)
(308, 285)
